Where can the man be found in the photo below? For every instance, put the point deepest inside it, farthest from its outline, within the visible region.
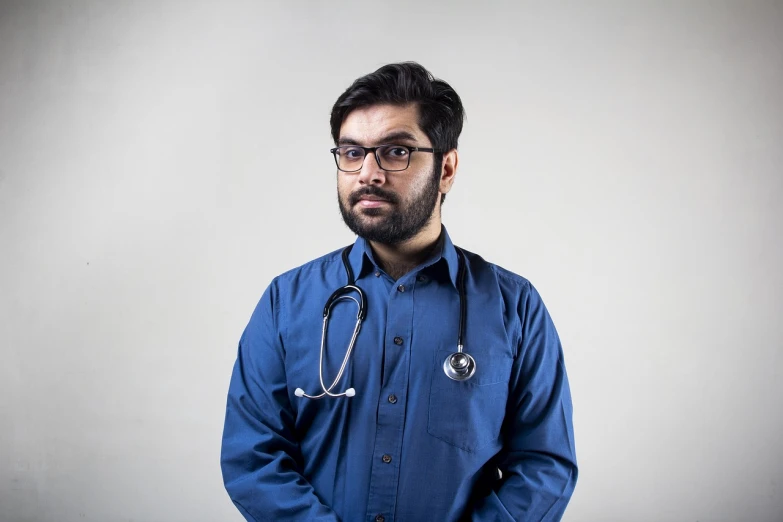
(387, 418)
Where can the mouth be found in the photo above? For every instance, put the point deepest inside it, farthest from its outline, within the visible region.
(371, 202)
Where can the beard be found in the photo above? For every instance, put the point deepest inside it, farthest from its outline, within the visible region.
(403, 220)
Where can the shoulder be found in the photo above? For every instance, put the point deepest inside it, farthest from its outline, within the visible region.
(518, 295)
(516, 299)
(507, 281)
(292, 285)
(318, 266)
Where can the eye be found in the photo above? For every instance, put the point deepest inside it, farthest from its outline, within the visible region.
(352, 153)
(396, 152)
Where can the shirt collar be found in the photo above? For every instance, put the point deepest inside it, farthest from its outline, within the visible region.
(362, 262)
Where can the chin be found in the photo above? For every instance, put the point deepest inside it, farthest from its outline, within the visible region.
(372, 212)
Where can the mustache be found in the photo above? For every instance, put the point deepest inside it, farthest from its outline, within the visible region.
(373, 191)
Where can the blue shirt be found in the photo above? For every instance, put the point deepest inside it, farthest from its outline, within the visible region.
(412, 445)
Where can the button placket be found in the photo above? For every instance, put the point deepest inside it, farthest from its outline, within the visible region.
(385, 474)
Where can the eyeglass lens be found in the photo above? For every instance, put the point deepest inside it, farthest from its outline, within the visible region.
(390, 157)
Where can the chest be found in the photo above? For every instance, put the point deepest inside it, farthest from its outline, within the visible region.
(410, 327)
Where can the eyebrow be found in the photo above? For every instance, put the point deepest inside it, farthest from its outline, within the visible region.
(388, 139)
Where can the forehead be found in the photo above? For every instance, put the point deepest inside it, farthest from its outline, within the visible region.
(371, 125)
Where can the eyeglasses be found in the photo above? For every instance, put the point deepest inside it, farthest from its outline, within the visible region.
(391, 158)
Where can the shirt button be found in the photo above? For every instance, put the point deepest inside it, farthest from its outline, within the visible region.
(398, 341)
(386, 458)
(393, 399)
(401, 288)
(379, 518)
(377, 274)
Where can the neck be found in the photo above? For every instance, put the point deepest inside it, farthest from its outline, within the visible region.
(399, 259)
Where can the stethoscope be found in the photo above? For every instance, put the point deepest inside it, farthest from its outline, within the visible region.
(458, 366)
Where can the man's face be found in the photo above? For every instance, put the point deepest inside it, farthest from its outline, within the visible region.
(388, 207)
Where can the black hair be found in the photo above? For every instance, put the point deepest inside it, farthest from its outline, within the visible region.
(440, 108)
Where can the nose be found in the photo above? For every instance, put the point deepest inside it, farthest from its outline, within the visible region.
(371, 173)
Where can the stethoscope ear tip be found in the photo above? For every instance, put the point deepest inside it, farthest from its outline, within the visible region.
(299, 392)
(350, 392)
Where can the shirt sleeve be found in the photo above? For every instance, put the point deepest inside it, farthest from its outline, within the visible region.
(260, 458)
(538, 459)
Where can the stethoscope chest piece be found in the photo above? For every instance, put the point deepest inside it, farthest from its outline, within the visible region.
(459, 366)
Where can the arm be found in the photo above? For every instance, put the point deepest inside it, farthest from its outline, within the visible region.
(538, 460)
(260, 457)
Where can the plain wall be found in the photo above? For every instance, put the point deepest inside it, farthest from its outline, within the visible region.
(161, 162)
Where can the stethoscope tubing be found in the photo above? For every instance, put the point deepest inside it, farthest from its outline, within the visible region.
(328, 391)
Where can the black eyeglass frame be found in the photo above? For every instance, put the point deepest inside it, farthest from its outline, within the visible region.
(374, 150)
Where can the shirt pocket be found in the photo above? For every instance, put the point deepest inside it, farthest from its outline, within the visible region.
(469, 414)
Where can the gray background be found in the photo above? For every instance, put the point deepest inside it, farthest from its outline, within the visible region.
(160, 162)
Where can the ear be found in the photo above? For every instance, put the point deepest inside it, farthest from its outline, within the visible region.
(448, 170)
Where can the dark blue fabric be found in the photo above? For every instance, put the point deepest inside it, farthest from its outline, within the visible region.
(291, 458)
